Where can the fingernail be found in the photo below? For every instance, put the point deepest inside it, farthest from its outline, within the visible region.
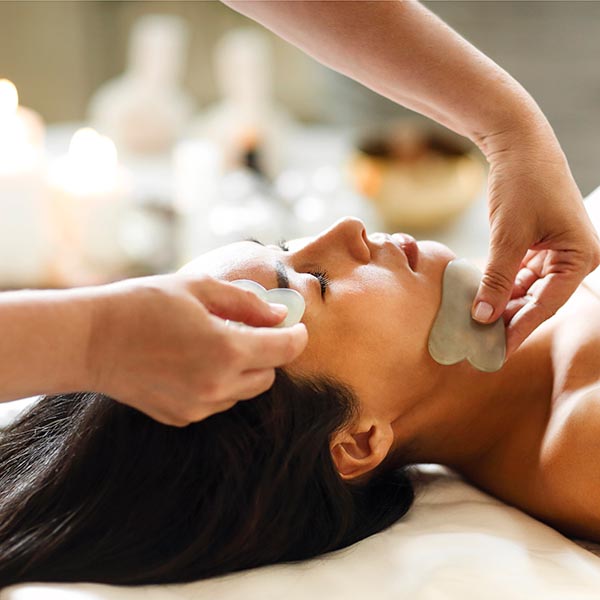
(483, 312)
(279, 309)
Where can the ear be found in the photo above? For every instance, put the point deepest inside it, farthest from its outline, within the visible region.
(361, 449)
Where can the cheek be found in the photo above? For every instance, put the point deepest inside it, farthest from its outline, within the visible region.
(398, 311)
(393, 328)
(363, 330)
(372, 311)
(367, 334)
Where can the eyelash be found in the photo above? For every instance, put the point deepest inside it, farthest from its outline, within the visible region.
(321, 274)
(323, 278)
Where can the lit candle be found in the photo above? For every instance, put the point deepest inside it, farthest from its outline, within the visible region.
(25, 220)
(92, 192)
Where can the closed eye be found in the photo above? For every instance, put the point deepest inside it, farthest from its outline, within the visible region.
(320, 274)
(323, 279)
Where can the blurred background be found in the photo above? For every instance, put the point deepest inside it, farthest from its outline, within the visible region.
(149, 132)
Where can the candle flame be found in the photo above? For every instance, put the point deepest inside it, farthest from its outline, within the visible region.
(9, 99)
(91, 165)
(88, 146)
(17, 153)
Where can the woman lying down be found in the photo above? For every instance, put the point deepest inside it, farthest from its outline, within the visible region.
(93, 490)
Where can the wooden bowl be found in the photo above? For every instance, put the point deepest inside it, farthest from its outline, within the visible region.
(418, 179)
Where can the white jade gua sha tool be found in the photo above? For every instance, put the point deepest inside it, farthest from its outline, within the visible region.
(291, 298)
(455, 336)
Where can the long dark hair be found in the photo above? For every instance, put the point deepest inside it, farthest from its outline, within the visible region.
(93, 490)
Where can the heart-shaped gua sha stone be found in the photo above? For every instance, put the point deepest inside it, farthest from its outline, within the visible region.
(291, 298)
(455, 336)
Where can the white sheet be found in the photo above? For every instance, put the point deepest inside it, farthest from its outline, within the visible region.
(456, 543)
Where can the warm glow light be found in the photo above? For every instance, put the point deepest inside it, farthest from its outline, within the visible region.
(91, 166)
(93, 150)
(16, 152)
(9, 99)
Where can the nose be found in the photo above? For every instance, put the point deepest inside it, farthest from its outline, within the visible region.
(348, 234)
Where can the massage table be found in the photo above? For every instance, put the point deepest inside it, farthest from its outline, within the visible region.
(455, 543)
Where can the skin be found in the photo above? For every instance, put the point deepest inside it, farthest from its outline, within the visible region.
(402, 51)
(134, 341)
(519, 437)
(375, 302)
(542, 243)
(158, 344)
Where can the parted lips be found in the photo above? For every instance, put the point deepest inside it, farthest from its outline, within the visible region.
(455, 336)
(291, 298)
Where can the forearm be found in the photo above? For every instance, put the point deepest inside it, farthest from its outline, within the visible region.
(43, 342)
(404, 52)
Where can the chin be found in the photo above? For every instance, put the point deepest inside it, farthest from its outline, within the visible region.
(433, 256)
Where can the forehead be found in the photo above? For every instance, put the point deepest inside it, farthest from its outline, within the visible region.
(243, 260)
(235, 261)
(249, 260)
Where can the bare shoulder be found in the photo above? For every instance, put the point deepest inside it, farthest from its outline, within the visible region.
(570, 464)
(574, 431)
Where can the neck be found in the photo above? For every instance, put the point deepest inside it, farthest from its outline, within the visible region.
(468, 414)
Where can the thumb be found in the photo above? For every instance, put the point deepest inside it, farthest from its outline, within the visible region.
(497, 282)
(228, 301)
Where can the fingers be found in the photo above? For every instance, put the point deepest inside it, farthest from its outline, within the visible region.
(532, 269)
(268, 348)
(252, 383)
(248, 369)
(245, 386)
(260, 351)
(543, 299)
(524, 280)
(513, 307)
(231, 302)
(525, 321)
(180, 412)
(497, 283)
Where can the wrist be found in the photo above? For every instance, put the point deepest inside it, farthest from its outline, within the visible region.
(79, 318)
(73, 310)
(517, 126)
(106, 324)
(114, 313)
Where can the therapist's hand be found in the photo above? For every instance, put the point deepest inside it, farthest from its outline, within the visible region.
(542, 241)
(160, 344)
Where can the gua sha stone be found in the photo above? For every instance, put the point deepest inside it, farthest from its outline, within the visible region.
(455, 336)
(291, 298)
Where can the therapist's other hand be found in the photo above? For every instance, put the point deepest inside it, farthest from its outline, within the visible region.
(160, 344)
(542, 241)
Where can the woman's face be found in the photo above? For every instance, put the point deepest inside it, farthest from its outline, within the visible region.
(369, 322)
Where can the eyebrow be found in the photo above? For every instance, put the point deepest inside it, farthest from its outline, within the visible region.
(280, 270)
(282, 278)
